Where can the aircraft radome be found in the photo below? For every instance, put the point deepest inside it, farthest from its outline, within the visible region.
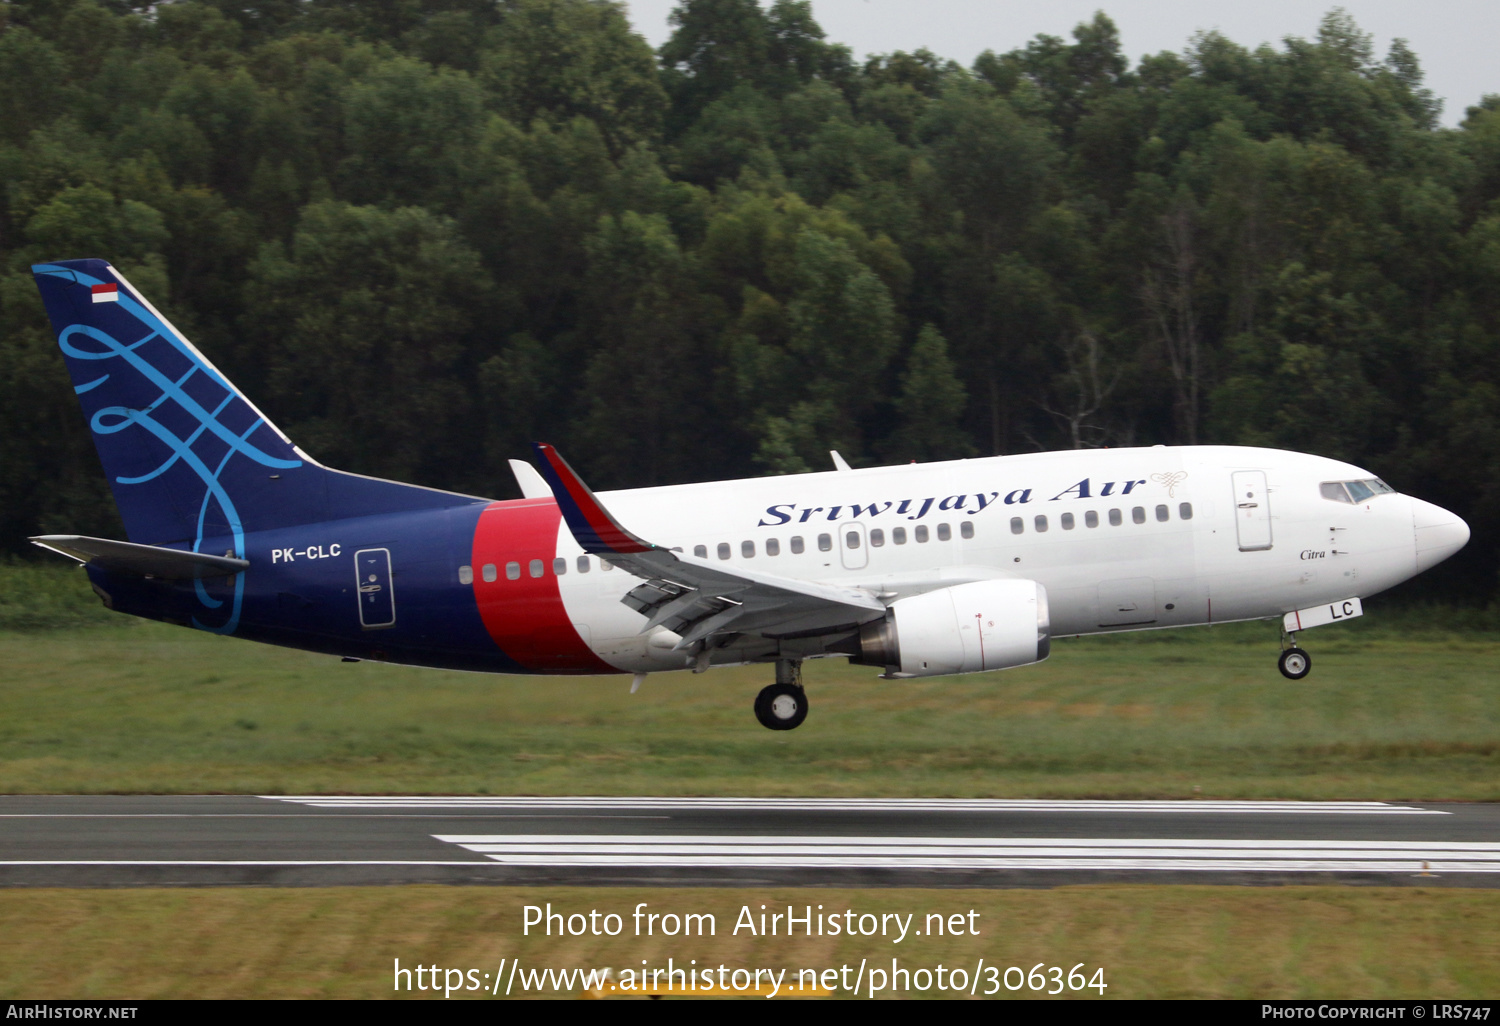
(920, 570)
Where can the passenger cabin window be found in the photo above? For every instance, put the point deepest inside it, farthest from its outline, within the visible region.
(944, 532)
(966, 529)
(1185, 510)
(701, 551)
(466, 575)
(1091, 518)
(723, 550)
(920, 533)
(1017, 525)
(747, 549)
(1067, 521)
(605, 564)
(1138, 514)
(797, 547)
(877, 538)
(898, 535)
(559, 566)
(583, 564)
(1041, 525)
(512, 571)
(825, 543)
(773, 547)
(1162, 513)
(535, 568)
(488, 572)
(851, 539)
(1115, 519)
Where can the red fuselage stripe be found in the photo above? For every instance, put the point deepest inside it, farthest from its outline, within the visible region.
(526, 616)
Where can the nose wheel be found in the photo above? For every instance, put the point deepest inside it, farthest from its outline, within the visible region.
(1294, 663)
(783, 705)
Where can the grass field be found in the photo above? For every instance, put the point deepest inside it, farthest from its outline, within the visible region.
(1403, 707)
(101, 703)
(1152, 942)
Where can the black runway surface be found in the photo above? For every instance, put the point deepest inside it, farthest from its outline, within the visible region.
(112, 841)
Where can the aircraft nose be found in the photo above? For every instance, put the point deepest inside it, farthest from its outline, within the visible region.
(1439, 534)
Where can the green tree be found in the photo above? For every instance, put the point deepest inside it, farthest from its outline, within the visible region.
(560, 59)
(1300, 383)
(32, 77)
(841, 336)
(364, 325)
(715, 46)
(495, 220)
(412, 134)
(647, 379)
(931, 404)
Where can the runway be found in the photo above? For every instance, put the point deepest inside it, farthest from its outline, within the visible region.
(113, 841)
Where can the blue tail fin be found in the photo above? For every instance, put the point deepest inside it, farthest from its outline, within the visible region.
(188, 457)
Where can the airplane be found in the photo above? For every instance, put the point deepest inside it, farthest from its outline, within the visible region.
(919, 570)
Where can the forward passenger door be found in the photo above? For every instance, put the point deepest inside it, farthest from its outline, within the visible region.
(1252, 510)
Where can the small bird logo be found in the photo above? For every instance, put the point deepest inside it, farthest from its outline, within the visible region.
(1170, 481)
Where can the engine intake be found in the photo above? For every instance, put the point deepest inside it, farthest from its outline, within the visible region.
(968, 628)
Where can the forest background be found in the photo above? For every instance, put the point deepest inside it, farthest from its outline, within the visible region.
(422, 233)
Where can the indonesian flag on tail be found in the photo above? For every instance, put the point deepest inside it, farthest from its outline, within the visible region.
(107, 293)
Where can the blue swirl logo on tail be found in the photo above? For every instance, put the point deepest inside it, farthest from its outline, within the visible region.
(198, 399)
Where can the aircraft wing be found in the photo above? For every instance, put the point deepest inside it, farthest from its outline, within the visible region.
(695, 598)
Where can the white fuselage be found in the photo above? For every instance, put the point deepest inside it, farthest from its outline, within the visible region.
(1121, 539)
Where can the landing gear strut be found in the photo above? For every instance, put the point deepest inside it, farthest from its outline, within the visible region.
(1293, 663)
(783, 705)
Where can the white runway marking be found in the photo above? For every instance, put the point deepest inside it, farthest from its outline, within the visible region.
(766, 852)
(860, 805)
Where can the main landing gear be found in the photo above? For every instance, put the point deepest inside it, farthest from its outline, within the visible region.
(783, 705)
(1293, 662)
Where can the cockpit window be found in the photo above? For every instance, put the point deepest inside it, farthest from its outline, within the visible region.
(1354, 491)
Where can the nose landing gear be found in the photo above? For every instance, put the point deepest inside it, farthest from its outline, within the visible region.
(1293, 662)
(783, 705)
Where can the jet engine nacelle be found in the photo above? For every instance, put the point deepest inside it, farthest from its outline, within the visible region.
(984, 625)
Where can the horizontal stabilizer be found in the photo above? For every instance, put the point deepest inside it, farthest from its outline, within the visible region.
(142, 560)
